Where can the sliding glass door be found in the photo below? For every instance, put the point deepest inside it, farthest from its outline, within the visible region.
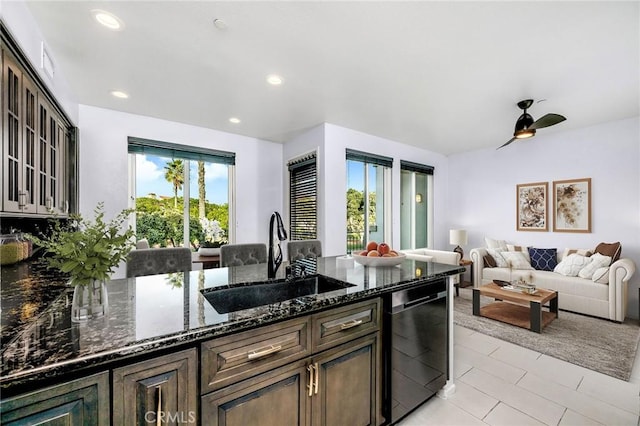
(416, 205)
(368, 199)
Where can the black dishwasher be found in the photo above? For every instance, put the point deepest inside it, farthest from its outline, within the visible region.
(415, 324)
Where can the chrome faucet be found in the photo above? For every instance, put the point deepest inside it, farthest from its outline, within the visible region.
(274, 263)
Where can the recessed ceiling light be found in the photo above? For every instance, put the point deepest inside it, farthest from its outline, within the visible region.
(120, 94)
(274, 79)
(234, 120)
(108, 19)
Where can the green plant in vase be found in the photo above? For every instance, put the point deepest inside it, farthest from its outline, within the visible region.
(88, 250)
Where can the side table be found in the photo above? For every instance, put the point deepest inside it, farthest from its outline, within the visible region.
(463, 283)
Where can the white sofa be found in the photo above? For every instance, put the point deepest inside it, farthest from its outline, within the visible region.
(574, 293)
(439, 256)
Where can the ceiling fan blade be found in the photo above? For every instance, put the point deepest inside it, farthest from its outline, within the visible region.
(507, 143)
(546, 121)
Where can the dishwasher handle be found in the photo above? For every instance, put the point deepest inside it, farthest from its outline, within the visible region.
(429, 298)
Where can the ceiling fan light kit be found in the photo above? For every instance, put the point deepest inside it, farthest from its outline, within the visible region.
(526, 126)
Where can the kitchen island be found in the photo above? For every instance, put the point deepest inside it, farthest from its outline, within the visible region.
(162, 315)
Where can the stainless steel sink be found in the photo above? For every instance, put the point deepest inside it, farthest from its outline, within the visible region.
(242, 296)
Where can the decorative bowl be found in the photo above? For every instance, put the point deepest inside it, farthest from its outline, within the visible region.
(379, 261)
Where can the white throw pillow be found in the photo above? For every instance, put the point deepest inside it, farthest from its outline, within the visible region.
(522, 249)
(597, 261)
(584, 252)
(516, 260)
(601, 275)
(496, 244)
(501, 262)
(572, 265)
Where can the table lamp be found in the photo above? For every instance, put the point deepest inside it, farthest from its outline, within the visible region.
(459, 238)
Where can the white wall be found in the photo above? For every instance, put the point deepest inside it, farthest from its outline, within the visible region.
(26, 33)
(104, 176)
(483, 187)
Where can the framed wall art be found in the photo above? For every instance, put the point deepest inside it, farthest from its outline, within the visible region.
(572, 205)
(531, 199)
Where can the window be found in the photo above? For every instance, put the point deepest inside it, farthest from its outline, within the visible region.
(368, 199)
(416, 205)
(303, 198)
(182, 194)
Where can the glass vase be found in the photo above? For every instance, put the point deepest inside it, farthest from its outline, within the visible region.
(89, 301)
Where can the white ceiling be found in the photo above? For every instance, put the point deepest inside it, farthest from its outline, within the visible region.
(443, 75)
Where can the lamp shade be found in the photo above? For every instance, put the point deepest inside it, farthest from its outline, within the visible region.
(458, 237)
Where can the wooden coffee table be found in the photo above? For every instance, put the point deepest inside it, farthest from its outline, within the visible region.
(517, 308)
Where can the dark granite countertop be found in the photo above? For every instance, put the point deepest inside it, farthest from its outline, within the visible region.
(153, 313)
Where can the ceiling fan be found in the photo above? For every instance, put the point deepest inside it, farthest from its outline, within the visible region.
(526, 127)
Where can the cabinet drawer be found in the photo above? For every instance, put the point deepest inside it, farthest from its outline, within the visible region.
(340, 325)
(233, 358)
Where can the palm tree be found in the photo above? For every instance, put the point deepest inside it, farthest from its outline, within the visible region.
(202, 195)
(174, 174)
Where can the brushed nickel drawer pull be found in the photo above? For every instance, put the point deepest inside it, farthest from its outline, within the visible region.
(310, 385)
(317, 379)
(159, 407)
(259, 353)
(350, 324)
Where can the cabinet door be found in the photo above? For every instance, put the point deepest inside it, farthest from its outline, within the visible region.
(29, 189)
(162, 390)
(80, 402)
(11, 135)
(43, 202)
(276, 398)
(347, 384)
(57, 171)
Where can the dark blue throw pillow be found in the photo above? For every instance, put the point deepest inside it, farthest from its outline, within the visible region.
(543, 259)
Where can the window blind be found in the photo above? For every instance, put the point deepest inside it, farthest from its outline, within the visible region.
(379, 160)
(415, 167)
(172, 150)
(303, 190)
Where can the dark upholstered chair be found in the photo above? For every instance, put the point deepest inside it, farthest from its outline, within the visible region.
(242, 254)
(158, 261)
(304, 249)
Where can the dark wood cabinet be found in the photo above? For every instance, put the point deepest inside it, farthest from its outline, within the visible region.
(276, 398)
(337, 382)
(35, 146)
(347, 383)
(162, 389)
(80, 402)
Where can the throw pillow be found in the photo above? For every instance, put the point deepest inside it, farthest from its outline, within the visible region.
(521, 249)
(489, 261)
(571, 265)
(613, 250)
(583, 252)
(501, 262)
(543, 259)
(516, 260)
(601, 275)
(495, 244)
(597, 261)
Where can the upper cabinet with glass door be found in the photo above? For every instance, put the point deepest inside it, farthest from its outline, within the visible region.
(35, 140)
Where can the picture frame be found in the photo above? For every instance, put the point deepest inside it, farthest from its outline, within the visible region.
(531, 206)
(572, 205)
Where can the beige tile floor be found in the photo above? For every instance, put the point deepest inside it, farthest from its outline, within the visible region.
(499, 383)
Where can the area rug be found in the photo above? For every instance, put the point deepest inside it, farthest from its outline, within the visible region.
(600, 345)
